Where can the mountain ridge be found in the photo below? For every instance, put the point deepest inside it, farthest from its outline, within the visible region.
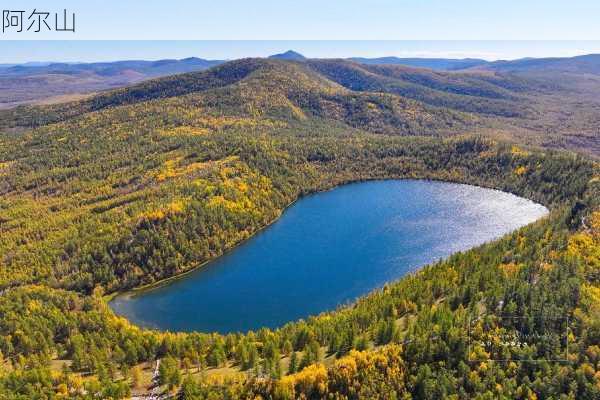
(31, 84)
(289, 55)
(589, 63)
(55, 82)
(275, 86)
(536, 108)
(441, 64)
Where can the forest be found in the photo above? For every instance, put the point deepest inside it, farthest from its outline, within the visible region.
(140, 184)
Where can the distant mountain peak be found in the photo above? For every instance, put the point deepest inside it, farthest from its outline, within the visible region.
(289, 55)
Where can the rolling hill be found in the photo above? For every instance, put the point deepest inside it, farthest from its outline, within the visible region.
(289, 55)
(552, 102)
(275, 87)
(59, 82)
(463, 92)
(587, 64)
(440, 64)
(534, 109)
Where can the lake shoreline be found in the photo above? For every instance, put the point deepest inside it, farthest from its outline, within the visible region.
(467, 192)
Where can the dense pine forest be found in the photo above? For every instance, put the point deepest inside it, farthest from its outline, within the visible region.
(136, 185)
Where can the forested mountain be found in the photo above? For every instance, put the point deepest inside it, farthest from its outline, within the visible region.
(59, 82)
(143, 183)
(587, 64)
(272, 87)
(289, 55)
(494, 95)
(552, 102)
(147, 68)
(536, 110)
(441, 64)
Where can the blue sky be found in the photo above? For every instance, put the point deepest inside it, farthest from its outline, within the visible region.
(326, 19)
(282, 20)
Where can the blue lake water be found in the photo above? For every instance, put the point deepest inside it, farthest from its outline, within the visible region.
(328, 249)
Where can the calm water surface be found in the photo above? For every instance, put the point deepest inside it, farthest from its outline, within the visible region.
(328, 249)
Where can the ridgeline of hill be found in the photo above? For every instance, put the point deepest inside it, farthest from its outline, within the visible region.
(143, 183)
(553, 108)
(587, 64)
(49, 83)
(438, 64)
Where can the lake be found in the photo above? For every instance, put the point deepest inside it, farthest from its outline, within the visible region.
(328, 249)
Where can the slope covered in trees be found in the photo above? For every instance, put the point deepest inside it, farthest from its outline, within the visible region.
(438, 64)
(58, 82)
(462, 92)
(548, 108)
(145, 183)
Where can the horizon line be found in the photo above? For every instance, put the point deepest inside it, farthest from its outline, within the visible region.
(113, 60)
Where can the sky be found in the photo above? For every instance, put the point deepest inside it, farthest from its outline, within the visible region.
(235, 28)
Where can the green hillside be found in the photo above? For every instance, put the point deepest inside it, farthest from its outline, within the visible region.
(46, 83)
(585, 64)
(468, 92)
(144, 183)
(277, 88)
(547, 109)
